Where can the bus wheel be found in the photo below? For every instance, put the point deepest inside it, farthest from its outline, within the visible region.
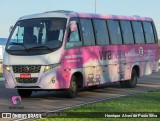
(123, 84)
(93, 87)
(73, 88)
(24, 92)
(132, 82)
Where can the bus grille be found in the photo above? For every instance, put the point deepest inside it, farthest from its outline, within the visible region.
(26, 69)
(26, 80)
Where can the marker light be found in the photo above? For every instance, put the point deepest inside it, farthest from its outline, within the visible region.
(49, 67)
(6, 67)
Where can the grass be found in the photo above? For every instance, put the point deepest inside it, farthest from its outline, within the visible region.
(1, 74)
(145, 102)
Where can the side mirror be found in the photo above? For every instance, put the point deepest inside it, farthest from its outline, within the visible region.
(10, 29)
(73, 26)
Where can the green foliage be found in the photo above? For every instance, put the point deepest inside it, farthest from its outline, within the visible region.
(145, 102)
(1, 74)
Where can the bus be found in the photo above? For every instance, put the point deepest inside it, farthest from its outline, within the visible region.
(65, 50)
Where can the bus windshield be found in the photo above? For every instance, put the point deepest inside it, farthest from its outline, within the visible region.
(37, 34)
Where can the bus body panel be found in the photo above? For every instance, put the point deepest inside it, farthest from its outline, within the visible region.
(44, 78)
(112, 63)
(97, 64)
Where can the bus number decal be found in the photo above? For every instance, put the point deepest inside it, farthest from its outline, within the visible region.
(140, 51)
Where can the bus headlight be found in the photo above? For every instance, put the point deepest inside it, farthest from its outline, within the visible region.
(6, 67)
(49, 67)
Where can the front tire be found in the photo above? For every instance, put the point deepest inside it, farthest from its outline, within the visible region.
(24, 92)
(73, 88)
(123, 84)
(132, 82)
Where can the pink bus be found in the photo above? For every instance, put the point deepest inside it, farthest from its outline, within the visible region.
(64, 50)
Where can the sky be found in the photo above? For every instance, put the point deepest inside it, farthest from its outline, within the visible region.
(12, 10)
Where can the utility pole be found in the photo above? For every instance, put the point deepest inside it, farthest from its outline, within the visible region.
(95, 6)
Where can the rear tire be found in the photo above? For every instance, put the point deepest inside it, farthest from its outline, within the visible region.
(73, 88)
(24, 92)
(132, 82)
(123, 84)
(93, 87)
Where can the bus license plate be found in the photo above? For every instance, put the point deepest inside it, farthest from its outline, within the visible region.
(25, 75)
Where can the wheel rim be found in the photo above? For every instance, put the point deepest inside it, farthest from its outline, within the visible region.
(73, 87)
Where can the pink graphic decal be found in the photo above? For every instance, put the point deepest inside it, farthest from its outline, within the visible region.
(81, 57)
(119, 60)
(16, 100)
(91, 15)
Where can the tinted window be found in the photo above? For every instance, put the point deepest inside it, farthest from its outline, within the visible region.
(36, 36)
(149, 35)
(155, 33)
(87, 31)
(138, 32)
(101, 32)
(73, 37)
(114, 31)
(127, 32)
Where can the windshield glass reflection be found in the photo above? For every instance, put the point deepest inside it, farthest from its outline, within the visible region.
(37, 34)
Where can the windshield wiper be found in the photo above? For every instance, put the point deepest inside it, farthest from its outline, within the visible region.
(20, 44)
(35, 47)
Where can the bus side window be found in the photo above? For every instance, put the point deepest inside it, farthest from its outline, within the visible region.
(101, 32)
(114, 32)
(155, 32)
(73, 37)
(127, 32)
(138, 32)
(18, 37)
(87, 32)
(149, 34)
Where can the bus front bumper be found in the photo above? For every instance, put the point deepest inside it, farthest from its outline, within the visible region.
(47, 81)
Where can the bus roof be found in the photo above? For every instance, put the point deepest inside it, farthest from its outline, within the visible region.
(66, 14)
(116, 17)
(49, 14)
